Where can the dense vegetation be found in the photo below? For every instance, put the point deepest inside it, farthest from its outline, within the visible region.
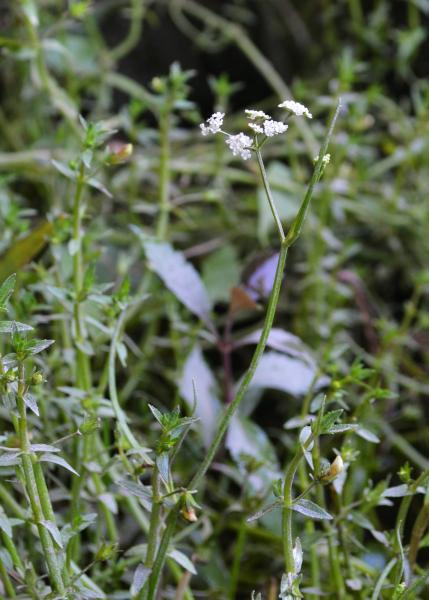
(185, 413)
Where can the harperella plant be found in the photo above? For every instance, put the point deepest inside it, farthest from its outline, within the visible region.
(262, 127)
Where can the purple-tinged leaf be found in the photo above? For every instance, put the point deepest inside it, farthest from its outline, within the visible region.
(281, 341)
(284, 373)
(199, 385)
(180, 277)
(43, 448)
(9, 459)
(260, 283)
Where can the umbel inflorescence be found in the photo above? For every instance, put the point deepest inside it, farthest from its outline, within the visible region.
(262, 126)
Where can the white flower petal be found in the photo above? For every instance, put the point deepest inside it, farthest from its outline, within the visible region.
(297, 108)
(214, 123)
(240, 145)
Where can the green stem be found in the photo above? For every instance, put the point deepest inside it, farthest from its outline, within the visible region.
(238, 555)
(269, 195)
(287, 503)
(134, 33)
(164, 173)
(259, 350)
(11, 548)
(417, 533)
(8, 586)
(33, 481)
(154, 518)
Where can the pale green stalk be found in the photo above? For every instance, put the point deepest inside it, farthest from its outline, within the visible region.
(33, 482)
(231, 409)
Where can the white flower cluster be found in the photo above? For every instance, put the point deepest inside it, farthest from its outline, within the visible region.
(259, 122)
(296, 108)
(240, 145)
(274, 127)
(214, 123)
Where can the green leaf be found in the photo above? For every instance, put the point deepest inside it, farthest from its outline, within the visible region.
(221, 272)
(54, 531)
(58, 460)
(367, 435)
(183, 561)
(36, 346)
(30, 402)
(281, 372)
(163, 464)
(5, 524)
(64, 169)
(251, 448)
(10, 459)
(138, 490)
(13, 326)
(140, 577)
(6, 290)
(198, 386)
(265, 510)
(310, 509)
(341, 428)
(179, 276)
(329, 419)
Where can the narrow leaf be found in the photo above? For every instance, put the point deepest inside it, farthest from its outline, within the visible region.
(182, 560)
(12, 326)
(54, 531)
(141, 575)
(179, 276)
(58, 460)
(310, 509)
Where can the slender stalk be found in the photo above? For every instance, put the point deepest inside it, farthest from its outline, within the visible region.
(11, 548)
(154, 518)
(32, 484)
(231, 409)
(287, 503)
(238, 555)
(132, 38)
(417, 533)
(269, 195)
(164, 172)
(8, 585)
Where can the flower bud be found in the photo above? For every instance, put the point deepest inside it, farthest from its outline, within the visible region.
(336, 467)
(89, 426)
(119, 153)
(36, 378)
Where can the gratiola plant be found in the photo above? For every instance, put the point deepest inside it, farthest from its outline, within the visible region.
(241, 144)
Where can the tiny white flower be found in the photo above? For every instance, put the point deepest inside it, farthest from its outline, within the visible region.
(256, 114)
(214, 123)
(274, 127)
(256, 128)
(297, 108)
(326, 159)
(240, 145)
